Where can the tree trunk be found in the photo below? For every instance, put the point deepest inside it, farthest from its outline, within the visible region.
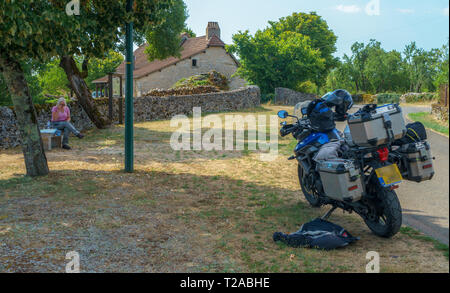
(32, 147)
(82, 92)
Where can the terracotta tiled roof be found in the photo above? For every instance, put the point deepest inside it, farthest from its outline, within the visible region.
(215, 42)
(143, 67)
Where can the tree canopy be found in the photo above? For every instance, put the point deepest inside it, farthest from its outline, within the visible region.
(288, 53)
(31, 71)
(372, 69)
(41, 30)
(164, 38)
(99, 67)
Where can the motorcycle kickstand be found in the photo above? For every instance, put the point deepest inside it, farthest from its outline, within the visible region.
(328, 214)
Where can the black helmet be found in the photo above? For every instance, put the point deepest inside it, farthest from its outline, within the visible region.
(341, 99)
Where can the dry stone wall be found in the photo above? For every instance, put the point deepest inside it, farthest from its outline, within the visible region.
(288, 97)
(145, 109)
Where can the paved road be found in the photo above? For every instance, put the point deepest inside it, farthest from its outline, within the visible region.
(426, 205)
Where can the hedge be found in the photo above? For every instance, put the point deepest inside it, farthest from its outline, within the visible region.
(420, 97)
(388, 98)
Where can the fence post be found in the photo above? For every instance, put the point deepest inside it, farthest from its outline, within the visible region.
(444, 95)
(121, 103)
(110, 94)
(129, 107)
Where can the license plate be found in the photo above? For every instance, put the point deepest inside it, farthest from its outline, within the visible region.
(389, 175)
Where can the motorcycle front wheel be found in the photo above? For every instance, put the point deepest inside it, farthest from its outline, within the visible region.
(385, 216)
(307, 183)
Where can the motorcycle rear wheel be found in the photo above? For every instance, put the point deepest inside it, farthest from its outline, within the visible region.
(386, 219)
(311, 195)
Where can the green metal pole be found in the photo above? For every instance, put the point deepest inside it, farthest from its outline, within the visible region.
(129, 104)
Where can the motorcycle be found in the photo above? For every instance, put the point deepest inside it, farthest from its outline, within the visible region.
(379, 205)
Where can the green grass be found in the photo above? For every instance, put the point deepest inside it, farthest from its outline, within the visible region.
(429, 122)
(419, 236)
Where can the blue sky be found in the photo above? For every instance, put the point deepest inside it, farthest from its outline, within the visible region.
(397, 23)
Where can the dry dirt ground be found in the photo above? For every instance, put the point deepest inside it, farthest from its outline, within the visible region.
(181, 211)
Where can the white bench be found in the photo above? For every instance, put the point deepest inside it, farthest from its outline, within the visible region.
(50, 140)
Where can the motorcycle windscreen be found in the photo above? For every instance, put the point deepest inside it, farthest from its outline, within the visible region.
(389, 175)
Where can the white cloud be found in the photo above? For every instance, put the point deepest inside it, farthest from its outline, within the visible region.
(406, 11)
(446, 11)
(348, 8)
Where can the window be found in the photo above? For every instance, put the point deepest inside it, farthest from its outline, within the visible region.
(194, 62)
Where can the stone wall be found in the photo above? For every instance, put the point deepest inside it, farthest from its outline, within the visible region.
(440, 112)
(183, 91)
(145, 109)
(213, 58)
(10, 135)
(288, 97)
(441, 109)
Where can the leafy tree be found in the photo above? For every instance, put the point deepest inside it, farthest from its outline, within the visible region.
(102, 25)
(442, 66)
(27, 35)
(189, 31)
(419, 65)
(321, 37)
(290, 52)
(100, 67)
(384, 70)
(41, 30)
(5, 98)
(158, 21)
(339, 78)
(357, 64)
(164, 38)
(307, 87)
(53, 80)
(31, 71)
(372, 69)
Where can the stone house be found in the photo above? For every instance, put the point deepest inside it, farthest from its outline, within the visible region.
(198, 55)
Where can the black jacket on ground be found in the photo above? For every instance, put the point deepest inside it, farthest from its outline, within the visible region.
(318, 234)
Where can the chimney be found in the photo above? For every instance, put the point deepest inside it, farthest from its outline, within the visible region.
(212, 29)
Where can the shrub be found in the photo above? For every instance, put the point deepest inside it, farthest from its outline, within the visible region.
(266, 98)
(388, 98)
(357, 98)
(307, 87)
(419, 97)
(369, 99)
(212, 78)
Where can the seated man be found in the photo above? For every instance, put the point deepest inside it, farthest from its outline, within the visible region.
(61, 121)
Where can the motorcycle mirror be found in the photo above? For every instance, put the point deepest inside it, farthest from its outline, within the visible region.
(283, 114)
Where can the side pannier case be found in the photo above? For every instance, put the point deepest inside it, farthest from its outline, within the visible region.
(341, 180)
(374, 126)
(418, 161)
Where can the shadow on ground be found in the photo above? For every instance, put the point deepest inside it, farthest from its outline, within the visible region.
(144, 222)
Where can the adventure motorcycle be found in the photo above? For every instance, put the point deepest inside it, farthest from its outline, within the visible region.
(376, 164)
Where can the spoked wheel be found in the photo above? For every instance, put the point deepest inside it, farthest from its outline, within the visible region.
(307, 183)
(385, 217)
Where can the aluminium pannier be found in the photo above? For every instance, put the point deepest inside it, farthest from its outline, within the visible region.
(417, 161)
(341, 180)
(373, 126)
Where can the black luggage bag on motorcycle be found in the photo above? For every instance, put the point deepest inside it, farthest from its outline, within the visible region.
(321, 116)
